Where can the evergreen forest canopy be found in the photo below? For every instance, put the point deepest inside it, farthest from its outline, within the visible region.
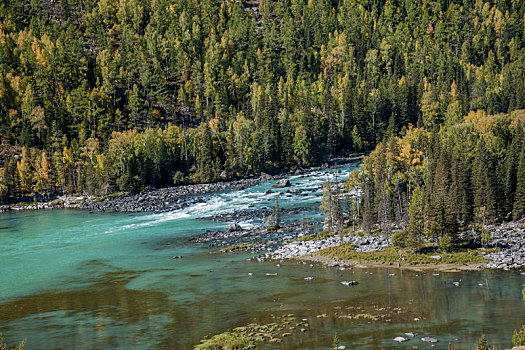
(102, 95)
(434, 185)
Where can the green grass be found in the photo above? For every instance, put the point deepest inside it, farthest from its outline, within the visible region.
(247, 337)
(392, 256)
(321, 235)
(235, 248)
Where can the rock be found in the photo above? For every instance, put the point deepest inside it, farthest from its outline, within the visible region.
(308, 278)
(429, 340)
(410, 334)
(437, 257)
(400, 339)
(456, 284)
(265, 177)
(234, 228)
(250, 274)
(177, 257)
(271, 274)
(269, 192)
(282, 183)
(293, 191)
(349, 283)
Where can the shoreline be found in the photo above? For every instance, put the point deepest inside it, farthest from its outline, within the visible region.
(163, 199)
(325, 260)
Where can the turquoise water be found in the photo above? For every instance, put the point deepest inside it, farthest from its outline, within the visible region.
(74, 279)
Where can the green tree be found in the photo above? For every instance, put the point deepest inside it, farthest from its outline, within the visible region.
(416, 220)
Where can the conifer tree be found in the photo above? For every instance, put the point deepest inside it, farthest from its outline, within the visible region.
(416, 221)
(518, 211)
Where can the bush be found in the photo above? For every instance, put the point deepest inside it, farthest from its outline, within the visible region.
(400, 239)
(483, 344)
(178, 178)
(519, 337)
(445, 243)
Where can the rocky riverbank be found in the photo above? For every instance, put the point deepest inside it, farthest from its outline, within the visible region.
(299, 248)
(509, 239)
(290, 242)
(164, 199)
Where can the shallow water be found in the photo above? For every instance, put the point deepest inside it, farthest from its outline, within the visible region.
(74, 279)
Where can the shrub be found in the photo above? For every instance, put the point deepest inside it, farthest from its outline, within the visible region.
(445, 243)
(399, 239)
(178, 178)
(483, 344)
(519, 337)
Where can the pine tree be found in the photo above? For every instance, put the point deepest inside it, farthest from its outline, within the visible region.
(416, 220)
(512, 160)
(518, 211)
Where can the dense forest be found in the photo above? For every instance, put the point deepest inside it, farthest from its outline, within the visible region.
(105, 95)
(431, 185)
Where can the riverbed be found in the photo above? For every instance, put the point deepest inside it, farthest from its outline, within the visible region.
(84, 280)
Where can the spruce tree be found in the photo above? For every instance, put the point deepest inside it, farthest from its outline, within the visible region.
(416, 219)
(519, 201)
(512, 159)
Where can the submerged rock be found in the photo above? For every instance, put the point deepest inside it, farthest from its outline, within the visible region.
(400, 339)
(429, 340)
(282, 183)
(349, 283)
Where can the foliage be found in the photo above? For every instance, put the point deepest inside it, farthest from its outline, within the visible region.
(121, 95)
(400, 239)
(178, 178)
(437, 183)
(483, 344)
(3, 344)
(518, 339)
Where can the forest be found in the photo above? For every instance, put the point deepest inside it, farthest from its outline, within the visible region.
(98, 96)
(432, 185)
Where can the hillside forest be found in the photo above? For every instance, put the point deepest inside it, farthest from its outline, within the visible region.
(98, 96)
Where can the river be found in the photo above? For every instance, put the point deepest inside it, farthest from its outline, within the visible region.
(83, 280)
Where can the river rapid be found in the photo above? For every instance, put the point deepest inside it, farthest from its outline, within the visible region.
(76, 279)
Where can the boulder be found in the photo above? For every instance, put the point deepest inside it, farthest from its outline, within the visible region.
(234, 228)
(282, 183)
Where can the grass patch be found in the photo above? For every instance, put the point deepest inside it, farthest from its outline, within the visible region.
(236, 248)
(392, 256)
(247, 337)
(321, 235)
